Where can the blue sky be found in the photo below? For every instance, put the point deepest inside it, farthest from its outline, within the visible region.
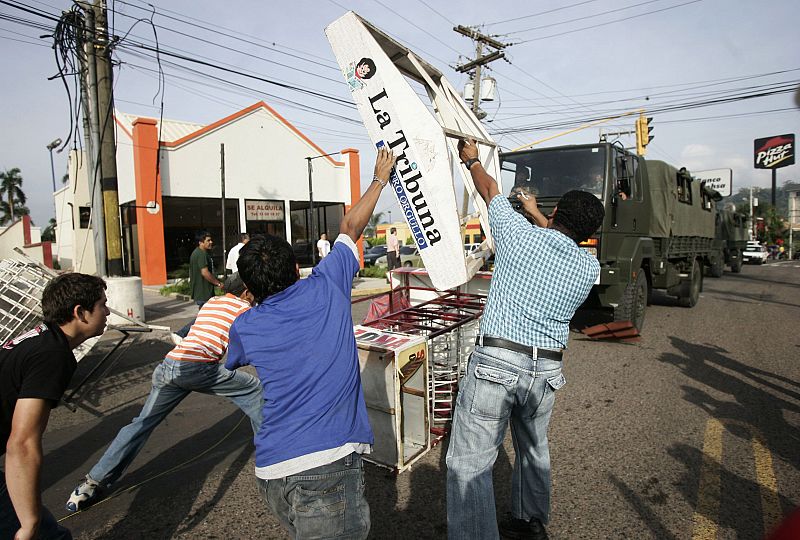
(570, 59)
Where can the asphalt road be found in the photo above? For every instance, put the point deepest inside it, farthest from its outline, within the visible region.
(693, 432)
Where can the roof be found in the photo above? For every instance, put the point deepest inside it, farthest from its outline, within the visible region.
(175, 133)
(171, 130)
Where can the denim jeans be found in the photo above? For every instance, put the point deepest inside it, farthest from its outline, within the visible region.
(323, 502)
(49, 529)
(500, 385)
(173, 380)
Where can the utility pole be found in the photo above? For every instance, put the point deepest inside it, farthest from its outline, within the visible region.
(222, 189)
(475, 66)
(108, 150)
(92, 136)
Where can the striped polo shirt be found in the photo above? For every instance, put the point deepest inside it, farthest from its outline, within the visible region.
(207, 340)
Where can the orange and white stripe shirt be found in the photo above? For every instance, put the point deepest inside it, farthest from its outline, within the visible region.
(207, 340)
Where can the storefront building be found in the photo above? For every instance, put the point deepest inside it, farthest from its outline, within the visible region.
(170, 190)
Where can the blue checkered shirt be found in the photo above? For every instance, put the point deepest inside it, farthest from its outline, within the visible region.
(540, 278)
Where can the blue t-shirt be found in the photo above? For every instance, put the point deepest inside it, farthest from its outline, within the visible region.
(302, 345)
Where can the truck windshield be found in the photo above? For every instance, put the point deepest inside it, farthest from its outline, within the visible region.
(553, 172)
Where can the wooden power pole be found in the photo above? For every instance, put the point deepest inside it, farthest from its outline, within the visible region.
(107, 151)
(475, 67)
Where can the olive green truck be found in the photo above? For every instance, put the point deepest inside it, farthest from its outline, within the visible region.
(661, 230)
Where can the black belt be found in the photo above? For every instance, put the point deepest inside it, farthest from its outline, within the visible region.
(519, 347)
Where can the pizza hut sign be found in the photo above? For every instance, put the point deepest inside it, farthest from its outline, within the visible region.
(774, 152)
(263, 210)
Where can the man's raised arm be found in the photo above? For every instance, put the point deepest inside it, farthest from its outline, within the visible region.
(357, 218)
(484, 183)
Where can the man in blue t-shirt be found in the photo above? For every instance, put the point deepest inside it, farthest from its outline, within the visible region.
(299, 337)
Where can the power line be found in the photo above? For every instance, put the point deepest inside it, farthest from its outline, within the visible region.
(448, 21)
(595, 15)
(606, 23)
(415, 25)
(540, 13)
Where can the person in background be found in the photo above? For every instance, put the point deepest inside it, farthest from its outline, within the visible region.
(540, 278)
(323, 246)
(392, 249)
(35, 369)
(308, 452)
(201, 278)
(233, 255)
(192, 366)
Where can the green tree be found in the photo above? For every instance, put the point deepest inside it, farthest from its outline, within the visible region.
(49, 232)
(6, 213)
(372, 224)
(11, 191)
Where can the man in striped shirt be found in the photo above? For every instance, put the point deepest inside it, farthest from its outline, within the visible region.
(192, 366)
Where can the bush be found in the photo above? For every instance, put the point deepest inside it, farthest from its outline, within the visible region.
(180, 287)
(373, 272)
(377, 241)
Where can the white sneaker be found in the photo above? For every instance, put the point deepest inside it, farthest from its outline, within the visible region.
(176, 339)
(84, 493)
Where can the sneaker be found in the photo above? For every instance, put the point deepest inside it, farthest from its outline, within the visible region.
(82, 495)
(176, 339)
(512, 527)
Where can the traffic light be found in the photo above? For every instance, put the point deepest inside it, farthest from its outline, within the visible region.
(643, 137)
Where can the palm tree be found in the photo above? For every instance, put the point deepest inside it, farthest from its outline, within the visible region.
(373, 223)
(49, 232)
(6, 212)
(11, 187)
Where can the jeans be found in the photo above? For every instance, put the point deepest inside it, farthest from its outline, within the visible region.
(173, 380)
(183, 332)
(323, 502)
(500, 385)
(49, 529)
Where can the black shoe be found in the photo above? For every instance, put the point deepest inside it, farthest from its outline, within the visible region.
(512, 527)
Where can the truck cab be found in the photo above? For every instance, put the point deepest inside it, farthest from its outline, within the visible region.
(658, 228)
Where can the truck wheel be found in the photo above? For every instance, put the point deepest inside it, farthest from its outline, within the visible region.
(717, 268)
(736, 262)
(691, 290)
(633, 303)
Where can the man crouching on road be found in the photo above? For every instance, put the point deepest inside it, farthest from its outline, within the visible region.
(540, 278)
(35, 369)
(300, 339)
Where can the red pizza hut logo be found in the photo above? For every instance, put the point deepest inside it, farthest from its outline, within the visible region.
(774, 152)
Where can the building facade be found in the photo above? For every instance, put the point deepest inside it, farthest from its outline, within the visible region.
(171, 181)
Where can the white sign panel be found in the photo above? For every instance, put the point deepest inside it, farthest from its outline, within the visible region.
(263, 210)
(396, 118)
(720, 180)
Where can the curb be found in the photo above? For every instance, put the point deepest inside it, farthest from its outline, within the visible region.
(369, 292)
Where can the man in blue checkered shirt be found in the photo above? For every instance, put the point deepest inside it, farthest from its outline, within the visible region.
(541, 276)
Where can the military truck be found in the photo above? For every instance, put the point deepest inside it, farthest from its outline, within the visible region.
(659, 227)
(730, 241)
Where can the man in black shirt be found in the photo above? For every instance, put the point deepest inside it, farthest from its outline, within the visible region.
(35, 369)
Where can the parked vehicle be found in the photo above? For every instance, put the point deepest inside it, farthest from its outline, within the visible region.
(409, 257)
(755, 253)
(373, 253)
(659, 226)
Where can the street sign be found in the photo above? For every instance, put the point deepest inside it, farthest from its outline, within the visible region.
(774, 152)
(720, 180)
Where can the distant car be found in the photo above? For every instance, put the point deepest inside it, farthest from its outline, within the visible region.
(373, 253)
(469, 248)
(755, 252)
(409, 257)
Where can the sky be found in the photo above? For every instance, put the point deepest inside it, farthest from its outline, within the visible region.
(568, 61)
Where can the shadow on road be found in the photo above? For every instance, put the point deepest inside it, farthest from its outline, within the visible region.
(161, 507)
(642, 506)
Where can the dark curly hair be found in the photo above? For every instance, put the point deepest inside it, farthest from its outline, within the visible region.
(267, 265)
(66, 291)
(579, 214)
